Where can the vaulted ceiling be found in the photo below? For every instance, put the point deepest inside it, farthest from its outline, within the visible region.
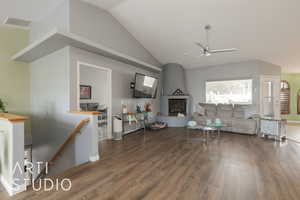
(26, 9)
(268, 30)
(261, 29)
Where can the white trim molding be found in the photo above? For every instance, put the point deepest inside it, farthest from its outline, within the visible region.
(94, 158)
(12, 190)
(109, 98)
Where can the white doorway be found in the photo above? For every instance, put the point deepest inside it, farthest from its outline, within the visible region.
(97, 80)
(270, 96)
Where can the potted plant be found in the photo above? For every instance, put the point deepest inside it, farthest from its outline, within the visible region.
(2, 106)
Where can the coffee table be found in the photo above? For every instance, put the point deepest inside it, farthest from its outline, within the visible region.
(206, 130)
(217, 126)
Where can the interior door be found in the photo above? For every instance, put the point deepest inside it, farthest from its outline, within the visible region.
(270, 96)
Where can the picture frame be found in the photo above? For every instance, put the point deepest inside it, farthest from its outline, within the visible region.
(85, 92)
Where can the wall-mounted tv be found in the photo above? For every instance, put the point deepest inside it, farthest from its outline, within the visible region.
(145, 86)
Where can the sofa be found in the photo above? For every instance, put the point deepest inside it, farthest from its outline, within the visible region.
(232, 115)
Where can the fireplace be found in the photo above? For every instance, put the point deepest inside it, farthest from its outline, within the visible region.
(174, 97)
(177, 106)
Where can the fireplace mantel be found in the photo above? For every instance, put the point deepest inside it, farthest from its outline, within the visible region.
(178, 97)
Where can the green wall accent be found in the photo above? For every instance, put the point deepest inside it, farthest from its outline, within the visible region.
(294, 81)
(14, 76)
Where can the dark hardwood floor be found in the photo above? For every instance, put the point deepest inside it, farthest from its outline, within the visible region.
(165, 165)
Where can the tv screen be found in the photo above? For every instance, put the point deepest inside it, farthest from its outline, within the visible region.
(145, 86)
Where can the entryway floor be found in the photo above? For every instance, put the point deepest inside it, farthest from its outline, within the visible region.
(293, 131)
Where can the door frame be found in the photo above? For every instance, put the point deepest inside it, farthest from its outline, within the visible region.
(109, 91)
(276, 105)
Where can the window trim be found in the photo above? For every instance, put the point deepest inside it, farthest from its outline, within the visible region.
(289, 97)
(233, 79)
(298, 102)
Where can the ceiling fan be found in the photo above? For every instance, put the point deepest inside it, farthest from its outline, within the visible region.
(206, 51)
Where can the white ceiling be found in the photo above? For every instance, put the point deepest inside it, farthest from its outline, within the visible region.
(26, 9)
(262, 29)
(268, 30)
(105, 4)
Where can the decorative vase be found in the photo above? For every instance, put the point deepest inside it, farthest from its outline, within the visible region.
(191, 123)
(218, 122)
(208, 122)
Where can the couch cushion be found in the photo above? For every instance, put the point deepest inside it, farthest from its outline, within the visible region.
(239, 111)
(210, 110)
(239, 107)
(208, 106)
(224, 111)
(223, 114)
(225, 107)
(198, 118)
(244, 126)
(200, 110)
(239, 114)
(226, 121)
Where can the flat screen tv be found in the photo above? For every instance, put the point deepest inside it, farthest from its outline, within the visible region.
(145, 86)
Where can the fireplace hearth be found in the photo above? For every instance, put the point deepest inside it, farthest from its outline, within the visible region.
(177, 106)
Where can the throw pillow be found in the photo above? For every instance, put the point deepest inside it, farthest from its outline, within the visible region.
(200, 110)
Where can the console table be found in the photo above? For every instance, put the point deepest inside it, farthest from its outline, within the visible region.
(273, 127)
(139, 123)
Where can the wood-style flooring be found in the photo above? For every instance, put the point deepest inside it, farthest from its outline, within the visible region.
(169, 165)
(293, 131)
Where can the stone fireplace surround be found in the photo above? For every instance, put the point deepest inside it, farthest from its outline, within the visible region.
(174, 88)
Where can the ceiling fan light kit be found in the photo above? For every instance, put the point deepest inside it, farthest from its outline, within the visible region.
(206, 49)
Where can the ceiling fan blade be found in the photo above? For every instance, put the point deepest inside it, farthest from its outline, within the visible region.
(200, 45)
(223, 50)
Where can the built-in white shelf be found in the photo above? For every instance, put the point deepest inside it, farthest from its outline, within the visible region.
(56, 40)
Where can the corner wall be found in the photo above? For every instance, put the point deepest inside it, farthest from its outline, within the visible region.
(101, 27)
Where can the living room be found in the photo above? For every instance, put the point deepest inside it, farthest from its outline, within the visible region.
(131, 99)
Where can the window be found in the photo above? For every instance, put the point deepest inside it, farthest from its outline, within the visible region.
(229, 92)
(149, 81)
(285, 98)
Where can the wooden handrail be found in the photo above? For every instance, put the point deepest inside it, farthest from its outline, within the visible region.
(71, 136)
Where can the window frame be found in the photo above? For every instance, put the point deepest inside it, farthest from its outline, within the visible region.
(289, 97)
(298, 102)
(234, 79)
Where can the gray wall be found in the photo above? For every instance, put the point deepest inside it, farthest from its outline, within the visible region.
(57, 18)
(196, 78)
(100, 26)
(173, 79)
(49, 105)
(122, 75)
(96, 78)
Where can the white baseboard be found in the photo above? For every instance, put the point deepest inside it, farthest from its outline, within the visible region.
(12, 190)
(94, 158)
